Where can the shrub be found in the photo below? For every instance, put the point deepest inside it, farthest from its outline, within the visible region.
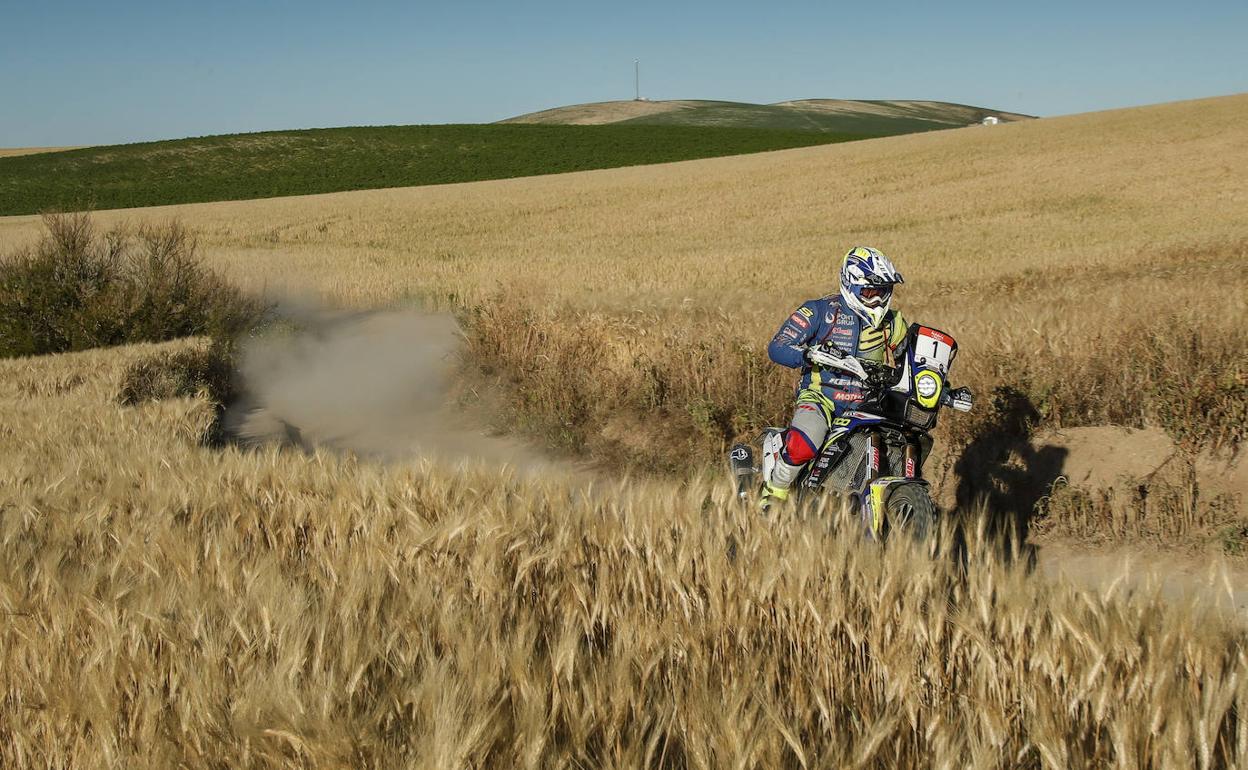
(207, 370)
(78, 289)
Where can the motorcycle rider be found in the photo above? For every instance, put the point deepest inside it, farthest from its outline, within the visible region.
(857, 322)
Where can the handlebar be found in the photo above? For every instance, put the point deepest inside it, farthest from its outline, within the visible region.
(873, 374)
(877, 376)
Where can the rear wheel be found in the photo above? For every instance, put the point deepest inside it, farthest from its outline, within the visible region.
(910, 510)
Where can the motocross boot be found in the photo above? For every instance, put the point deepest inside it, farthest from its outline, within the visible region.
(771, 496)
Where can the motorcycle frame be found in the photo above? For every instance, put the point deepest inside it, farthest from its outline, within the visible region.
(830, 454)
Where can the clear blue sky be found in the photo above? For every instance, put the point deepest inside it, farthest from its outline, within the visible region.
(103, 72)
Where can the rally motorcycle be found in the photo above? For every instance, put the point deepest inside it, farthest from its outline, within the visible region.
(872, 458)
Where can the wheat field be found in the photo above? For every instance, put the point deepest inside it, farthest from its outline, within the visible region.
(959, 210)
(10, 152)
(168, 603)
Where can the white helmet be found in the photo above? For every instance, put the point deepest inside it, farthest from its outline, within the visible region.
(867, 280)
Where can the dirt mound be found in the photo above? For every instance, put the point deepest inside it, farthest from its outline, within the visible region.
(1114, 541)
(1106, 456)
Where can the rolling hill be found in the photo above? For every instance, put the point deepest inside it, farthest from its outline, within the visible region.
(577, 138)
(862, 117)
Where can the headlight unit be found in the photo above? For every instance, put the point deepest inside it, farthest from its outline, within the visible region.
(927, 388)
(926, 385)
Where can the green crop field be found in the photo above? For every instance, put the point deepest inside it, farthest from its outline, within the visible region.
(273, 164)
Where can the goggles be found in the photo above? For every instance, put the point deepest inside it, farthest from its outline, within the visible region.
(877, 293)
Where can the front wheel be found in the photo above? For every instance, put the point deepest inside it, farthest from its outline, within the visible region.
(910, 510)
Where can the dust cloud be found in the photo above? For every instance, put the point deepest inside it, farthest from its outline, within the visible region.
(375, 384)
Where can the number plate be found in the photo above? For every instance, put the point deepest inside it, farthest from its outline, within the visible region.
(934, 349)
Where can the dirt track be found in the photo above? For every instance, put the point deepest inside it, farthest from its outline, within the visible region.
(1222, 582)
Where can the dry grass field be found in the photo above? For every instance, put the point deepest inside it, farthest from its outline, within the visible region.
(168, 603)
(9, 152)
(945, 111)
(1097, 196)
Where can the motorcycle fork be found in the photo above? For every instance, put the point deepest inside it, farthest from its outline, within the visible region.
(873, 460)
(911, 470)
(872, 513)
(912, 460)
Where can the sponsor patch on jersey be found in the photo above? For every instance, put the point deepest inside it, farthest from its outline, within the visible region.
(841, 395)
(790, 332)
(806, 311)
(799, 320)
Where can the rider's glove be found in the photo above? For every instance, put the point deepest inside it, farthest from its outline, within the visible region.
(961, 399)
(824, 355)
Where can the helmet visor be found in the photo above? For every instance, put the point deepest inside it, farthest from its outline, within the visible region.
(875, 296)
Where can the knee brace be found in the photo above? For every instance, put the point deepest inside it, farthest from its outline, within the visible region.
(796, 451)
(798, 448)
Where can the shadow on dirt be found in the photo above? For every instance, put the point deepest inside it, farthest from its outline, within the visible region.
(1001, 470)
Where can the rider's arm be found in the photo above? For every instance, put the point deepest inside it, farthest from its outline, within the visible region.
(788, 347)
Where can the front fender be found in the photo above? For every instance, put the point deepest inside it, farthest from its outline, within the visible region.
(876, 497)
